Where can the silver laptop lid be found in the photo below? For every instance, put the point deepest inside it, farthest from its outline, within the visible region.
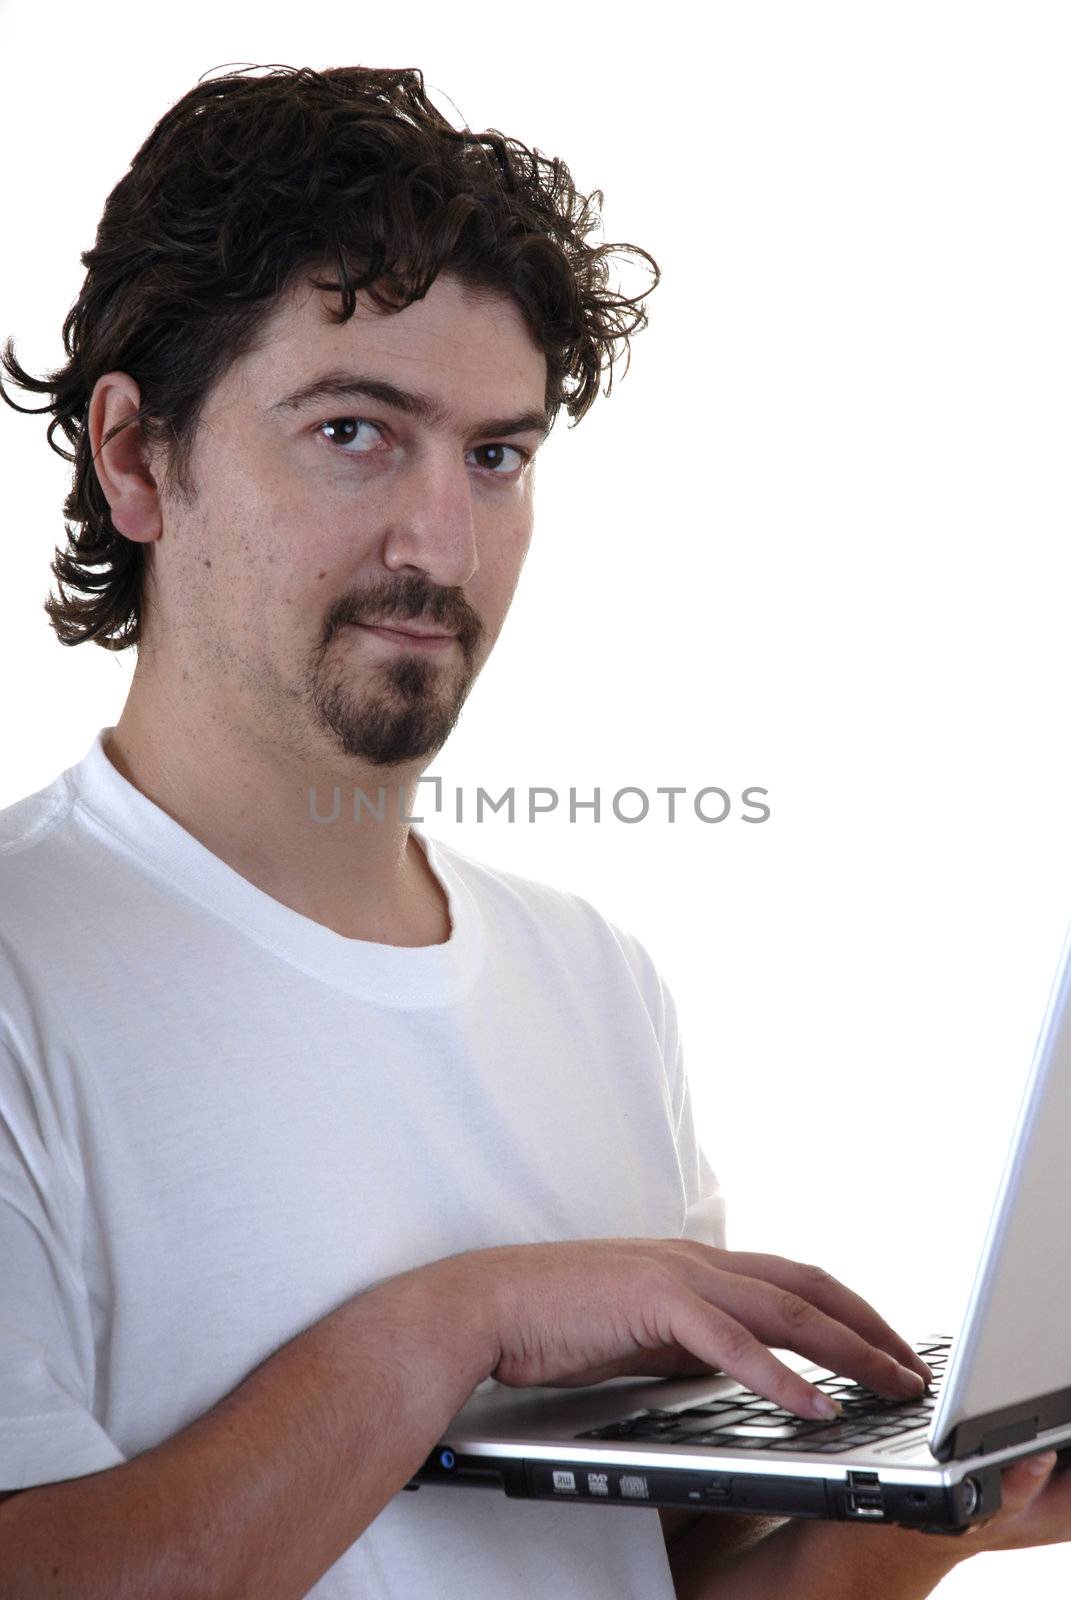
(1010, 1375)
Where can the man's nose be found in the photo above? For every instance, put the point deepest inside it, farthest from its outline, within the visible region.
(430, 523)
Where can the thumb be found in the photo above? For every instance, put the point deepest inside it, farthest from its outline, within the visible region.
(1020, 1482)
(1024, 1479)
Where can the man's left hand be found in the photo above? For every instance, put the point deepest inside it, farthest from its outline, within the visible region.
(847, 1561)
(1035, 1509)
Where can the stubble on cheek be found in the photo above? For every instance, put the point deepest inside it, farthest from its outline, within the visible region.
(221, 610)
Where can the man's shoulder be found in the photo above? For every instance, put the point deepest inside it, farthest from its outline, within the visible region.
(505, 885)
(35, 879)
(41, 887)
(563, 912)
(28, 822)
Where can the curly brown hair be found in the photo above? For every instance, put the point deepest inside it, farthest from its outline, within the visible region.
(244, 185)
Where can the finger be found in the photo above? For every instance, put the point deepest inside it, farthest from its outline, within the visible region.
(830, 1296)
(780, 1317)
(716, 1337)
(1022, 1519)
(1023, 1480)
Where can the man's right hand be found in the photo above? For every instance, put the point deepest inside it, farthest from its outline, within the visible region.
(265, 1491)
(574, 1313)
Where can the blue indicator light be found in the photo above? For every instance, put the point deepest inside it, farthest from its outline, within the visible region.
(446, 1458)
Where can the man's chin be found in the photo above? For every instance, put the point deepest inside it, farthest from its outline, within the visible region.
(388, 727)
(391, 759)
(403, 740)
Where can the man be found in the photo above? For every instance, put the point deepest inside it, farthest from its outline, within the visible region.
(311, 1127)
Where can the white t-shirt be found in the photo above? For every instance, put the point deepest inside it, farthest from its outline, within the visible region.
(220, 1119)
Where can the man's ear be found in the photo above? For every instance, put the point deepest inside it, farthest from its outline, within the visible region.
(122, 464)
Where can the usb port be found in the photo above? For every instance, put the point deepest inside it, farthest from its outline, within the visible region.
(865, 1505)
(862, 1480)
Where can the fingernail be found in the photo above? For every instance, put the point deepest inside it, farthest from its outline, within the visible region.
(1039, 1465)
(914, 1380)
(826, 1406)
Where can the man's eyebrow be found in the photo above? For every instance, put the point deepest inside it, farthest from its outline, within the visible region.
(346, 385)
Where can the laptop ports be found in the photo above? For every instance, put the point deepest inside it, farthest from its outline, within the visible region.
(864, 1497)
(865, 1505)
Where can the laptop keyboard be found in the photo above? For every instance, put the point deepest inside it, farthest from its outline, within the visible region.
(749, 1421)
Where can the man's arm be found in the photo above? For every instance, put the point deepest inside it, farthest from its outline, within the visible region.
(266, 1491)
(725, 1534)
(809, 1560)
(674, 1523)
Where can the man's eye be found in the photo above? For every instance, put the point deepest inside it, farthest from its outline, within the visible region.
(342, 431)
(522, 454)
(341, 426)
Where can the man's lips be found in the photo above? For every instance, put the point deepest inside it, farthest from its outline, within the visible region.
(416, 638)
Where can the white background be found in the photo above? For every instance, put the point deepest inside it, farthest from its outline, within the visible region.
(815, 540)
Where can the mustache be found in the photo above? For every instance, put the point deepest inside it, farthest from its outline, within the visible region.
(411, 599)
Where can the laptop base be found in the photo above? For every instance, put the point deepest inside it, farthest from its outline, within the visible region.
(857, 1497)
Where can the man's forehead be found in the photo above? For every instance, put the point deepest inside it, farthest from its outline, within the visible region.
(451, 312)
(445, 343)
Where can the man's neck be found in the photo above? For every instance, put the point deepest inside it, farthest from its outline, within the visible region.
(257, 809)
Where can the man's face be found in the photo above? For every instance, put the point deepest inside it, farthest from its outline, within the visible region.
(310, 520)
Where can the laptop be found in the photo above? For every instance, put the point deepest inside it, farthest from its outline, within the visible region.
(1001, 1389)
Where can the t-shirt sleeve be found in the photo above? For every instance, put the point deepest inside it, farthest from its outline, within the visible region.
(48, 1431)
(704, 1218)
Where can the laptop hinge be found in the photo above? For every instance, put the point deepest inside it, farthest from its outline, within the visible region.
(1014, 1433)
(1011, 1425)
